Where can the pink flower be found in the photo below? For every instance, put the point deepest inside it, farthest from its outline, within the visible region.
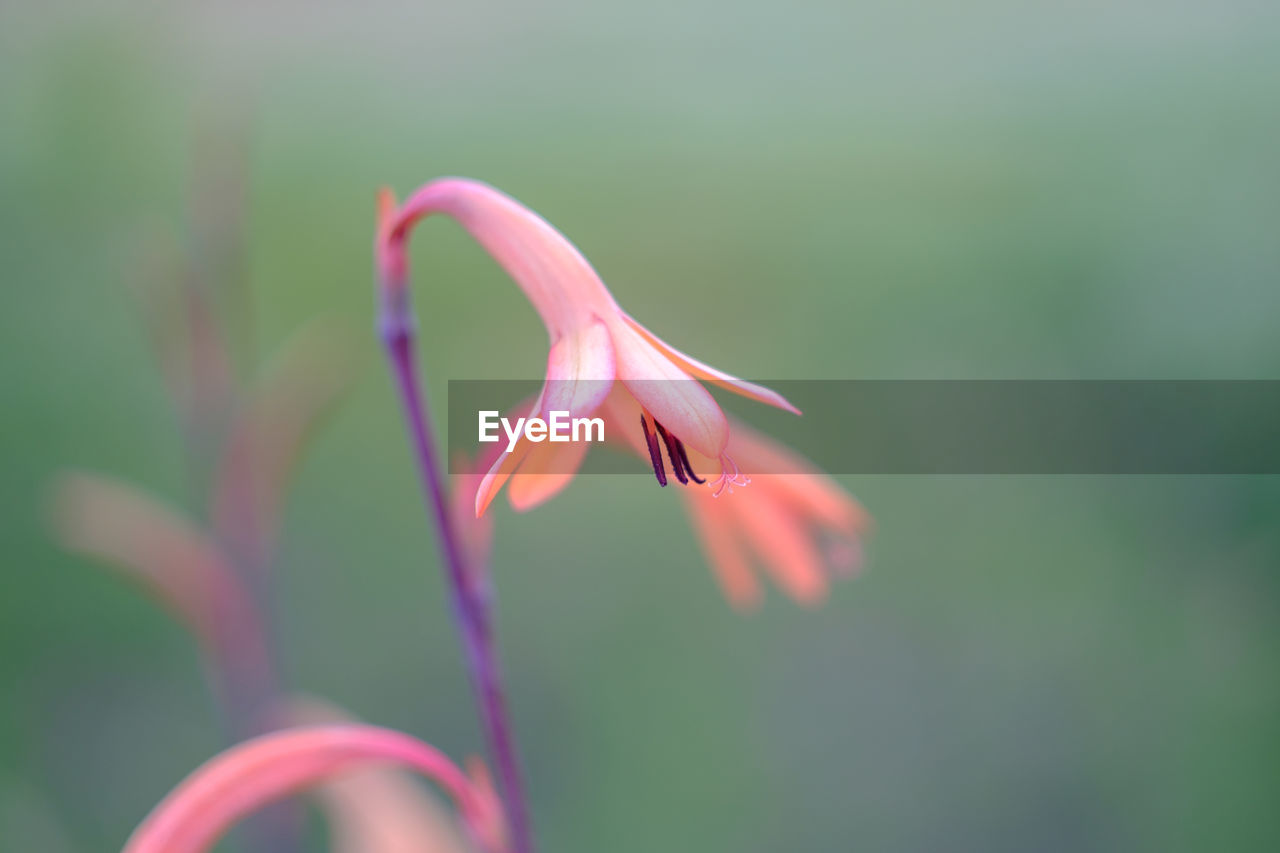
(260, 771)
(593, 342)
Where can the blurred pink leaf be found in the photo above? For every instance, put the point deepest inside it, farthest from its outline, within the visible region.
(185, 334)
(297, 389)
(252, 774)
(166, 555)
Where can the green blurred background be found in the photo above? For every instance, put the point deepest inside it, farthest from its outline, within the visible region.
(815, 190)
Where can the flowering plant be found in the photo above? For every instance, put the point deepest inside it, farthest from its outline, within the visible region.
(214, 576)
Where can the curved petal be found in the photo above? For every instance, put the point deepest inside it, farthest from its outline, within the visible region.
(713, 522)
(252, 774)
(675, 399)
(789, 554)
(546, 470)
(580, 371)
(822, 499)
(807, 489)
(499, 473)
(621, 415)
(701, 370)
(557, 279)
(505, 465)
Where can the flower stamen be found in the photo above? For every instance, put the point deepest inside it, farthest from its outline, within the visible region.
(684, 460)
(730, 475)
(673, 453)
(655, 452)
(676, 453)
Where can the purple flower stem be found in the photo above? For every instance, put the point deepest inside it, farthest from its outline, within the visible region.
(470, 604)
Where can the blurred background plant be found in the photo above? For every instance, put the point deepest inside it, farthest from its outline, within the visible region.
(215, 576)
(241, 440)
(891, 191)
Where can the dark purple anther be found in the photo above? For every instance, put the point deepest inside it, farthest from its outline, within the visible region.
(673, 453)
(655, 452)
(684, 460)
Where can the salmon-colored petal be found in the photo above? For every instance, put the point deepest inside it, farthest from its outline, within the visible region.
(713, 522)
(505, 465)
(798, 480)
(621, 415)
(557, 279)
(823, 499)
(701, 370)
(580, 371)
(788, 551)
(676, 400)
(498, 474)
(257, 772)
(547, 469)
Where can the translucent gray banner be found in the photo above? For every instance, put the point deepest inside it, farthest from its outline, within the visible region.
(944, 427)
